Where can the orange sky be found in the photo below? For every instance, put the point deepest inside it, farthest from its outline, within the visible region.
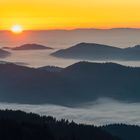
(67, 14)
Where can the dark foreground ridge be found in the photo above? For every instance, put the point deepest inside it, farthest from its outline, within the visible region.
(18, 125)
(125, 132)
(79, 83)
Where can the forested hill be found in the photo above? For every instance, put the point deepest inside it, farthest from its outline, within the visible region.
(93, 51)
(76, 84)
(123, 131)
(18, 125)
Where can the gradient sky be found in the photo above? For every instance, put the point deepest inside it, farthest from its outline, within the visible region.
(68, 14)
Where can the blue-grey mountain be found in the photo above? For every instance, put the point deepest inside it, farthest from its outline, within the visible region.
(31, 47)
(79, 83)
(93, 51)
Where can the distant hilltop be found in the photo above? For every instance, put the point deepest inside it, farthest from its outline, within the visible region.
(4, 53)
(29, 47)
(51, 68)
(93, 51)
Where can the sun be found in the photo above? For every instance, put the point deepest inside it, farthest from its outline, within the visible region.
(17, 29)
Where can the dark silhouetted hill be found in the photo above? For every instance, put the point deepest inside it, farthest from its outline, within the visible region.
(6, 47)
(17, 125)
(51, 68)
(92, 51)
(79, 83)
(89, 51)
(4, 53)
(31, 47)
(125, 132)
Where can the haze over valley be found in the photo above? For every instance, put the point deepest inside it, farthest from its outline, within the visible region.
(69, 70)
(88, 82)
(117, 37)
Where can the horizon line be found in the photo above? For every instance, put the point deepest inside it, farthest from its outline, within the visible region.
(63, 29)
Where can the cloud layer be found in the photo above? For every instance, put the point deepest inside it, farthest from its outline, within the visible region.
(101, 112)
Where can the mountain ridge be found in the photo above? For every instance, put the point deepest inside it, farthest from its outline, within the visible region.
(94, 51)
(32, 46)
(123, 131)
(79, 83)
(15, 125)
(4, 53)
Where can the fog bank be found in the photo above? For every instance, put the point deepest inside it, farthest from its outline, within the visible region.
(100, 112)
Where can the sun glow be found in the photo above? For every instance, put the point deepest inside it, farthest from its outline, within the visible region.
(17, 29)
(69, 14)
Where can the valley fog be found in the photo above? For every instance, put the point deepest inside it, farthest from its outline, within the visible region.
(60, 39)
(39, 58)
(101, 112)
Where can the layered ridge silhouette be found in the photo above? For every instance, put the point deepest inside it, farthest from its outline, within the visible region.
(16, 125)
(93, 51)
(79, 83)
(4, 53)
(32, 46)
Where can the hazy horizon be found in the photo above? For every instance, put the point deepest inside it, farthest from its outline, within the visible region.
(59, 39)
(73, 60)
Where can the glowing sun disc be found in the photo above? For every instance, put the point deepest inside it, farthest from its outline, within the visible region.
(17, 29)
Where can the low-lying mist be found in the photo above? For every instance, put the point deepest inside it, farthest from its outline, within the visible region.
(100, 112)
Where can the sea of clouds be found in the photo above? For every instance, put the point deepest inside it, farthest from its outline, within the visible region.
(100, 112)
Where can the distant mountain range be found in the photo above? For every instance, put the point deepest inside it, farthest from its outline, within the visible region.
(79, 83)
(4, 53)
(29, 47)
(86, 51)
(93, 51)
(119, 37)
